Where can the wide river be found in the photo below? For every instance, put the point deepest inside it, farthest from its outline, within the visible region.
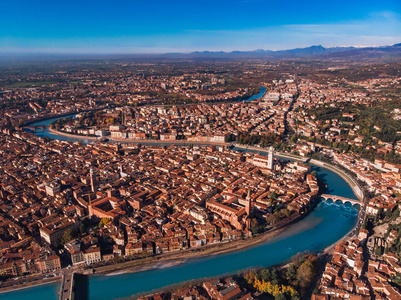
(325, 225)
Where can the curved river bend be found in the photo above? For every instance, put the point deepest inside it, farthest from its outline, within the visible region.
(325, 225)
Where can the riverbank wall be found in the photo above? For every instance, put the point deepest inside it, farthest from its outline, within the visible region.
(54, 131)
(138, 141)
(30, 284)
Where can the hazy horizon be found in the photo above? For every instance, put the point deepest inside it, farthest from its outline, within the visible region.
(166, 53)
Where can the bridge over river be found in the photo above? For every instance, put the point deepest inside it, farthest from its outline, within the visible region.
(342, 199)
(67, 285)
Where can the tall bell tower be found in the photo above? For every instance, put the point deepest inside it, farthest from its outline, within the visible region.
(248, 203)
(270, 159)
(93, 180)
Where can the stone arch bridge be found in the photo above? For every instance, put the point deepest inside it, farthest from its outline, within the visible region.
(342, 199)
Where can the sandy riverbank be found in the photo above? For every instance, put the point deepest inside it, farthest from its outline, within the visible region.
(171, 258)
(182, 256)
(178, 257)
(30, 284)
(164, 260)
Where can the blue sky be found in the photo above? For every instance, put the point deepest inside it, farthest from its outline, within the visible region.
(154, 26)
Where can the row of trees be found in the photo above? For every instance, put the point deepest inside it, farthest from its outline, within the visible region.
(287, 283)
(265, 140)
(278, 291)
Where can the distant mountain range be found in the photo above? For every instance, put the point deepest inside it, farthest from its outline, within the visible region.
(309, 52)
(313, 52)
